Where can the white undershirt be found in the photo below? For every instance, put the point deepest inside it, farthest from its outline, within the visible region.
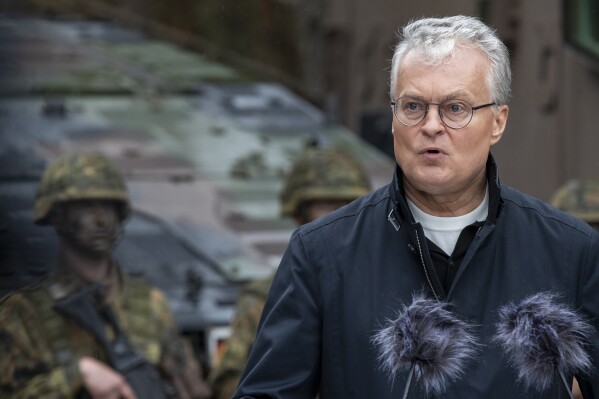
(445, 231)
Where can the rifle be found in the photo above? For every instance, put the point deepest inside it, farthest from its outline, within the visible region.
(86, 308)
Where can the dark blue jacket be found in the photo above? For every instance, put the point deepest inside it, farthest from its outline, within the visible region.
(342, 276)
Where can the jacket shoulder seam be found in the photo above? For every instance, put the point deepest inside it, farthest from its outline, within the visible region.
(308, 230)
(545, 215)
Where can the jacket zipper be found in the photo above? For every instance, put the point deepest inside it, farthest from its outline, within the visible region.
(428, 279)
(397, 226)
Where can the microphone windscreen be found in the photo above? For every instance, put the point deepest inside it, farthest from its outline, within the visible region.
(426, 335)
(541, 338)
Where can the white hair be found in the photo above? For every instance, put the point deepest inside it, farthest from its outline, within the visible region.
(438, 38)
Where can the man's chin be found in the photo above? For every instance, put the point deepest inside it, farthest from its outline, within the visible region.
(431, 184)
(96, 250)
(97, 253)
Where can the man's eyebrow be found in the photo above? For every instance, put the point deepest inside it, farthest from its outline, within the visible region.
(457, 95)
(413, 96)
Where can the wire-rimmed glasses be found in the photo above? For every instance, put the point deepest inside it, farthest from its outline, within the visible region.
(455, 114)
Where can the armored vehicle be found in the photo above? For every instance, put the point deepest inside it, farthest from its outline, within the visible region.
(204, 149)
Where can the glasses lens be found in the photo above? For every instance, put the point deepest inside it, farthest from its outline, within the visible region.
(456, 113)
(409, 111)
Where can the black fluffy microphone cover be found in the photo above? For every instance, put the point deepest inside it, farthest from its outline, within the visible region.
(542, 339)
(429, 339)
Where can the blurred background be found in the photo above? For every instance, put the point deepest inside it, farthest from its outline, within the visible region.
(204, 104)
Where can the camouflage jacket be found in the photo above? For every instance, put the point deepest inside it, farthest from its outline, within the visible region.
(225, 376)
(40, 348)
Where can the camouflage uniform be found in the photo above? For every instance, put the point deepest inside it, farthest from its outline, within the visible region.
(40, 348)
(225, 376)
(316, 175)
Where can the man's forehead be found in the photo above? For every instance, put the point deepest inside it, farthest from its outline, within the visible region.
(461, 76)
(423, 61)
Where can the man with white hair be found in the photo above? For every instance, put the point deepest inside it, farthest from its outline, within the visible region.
(423, 277)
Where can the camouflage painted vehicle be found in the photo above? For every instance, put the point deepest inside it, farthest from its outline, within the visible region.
(203, 148)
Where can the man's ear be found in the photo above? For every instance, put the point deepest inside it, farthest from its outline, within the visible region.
(499, 123)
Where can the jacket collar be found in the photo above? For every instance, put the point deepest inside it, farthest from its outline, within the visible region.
(403, 214)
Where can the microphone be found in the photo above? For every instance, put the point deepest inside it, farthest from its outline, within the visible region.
(428, 340)
(542, 338)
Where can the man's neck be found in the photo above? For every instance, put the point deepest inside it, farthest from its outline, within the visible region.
(88, 268)
(448, 205)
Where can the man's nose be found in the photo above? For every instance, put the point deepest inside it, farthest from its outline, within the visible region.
(432, 122)
(101, 211)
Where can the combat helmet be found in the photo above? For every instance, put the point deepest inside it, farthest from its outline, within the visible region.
(79, 177)
(579, 198)
(322, 174)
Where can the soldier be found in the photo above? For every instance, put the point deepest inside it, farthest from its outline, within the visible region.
(320, 181)
(89, 330)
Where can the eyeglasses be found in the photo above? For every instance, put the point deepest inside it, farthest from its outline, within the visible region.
(455, 114)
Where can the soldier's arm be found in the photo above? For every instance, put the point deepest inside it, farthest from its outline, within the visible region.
(225, 376)
(26, 366)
